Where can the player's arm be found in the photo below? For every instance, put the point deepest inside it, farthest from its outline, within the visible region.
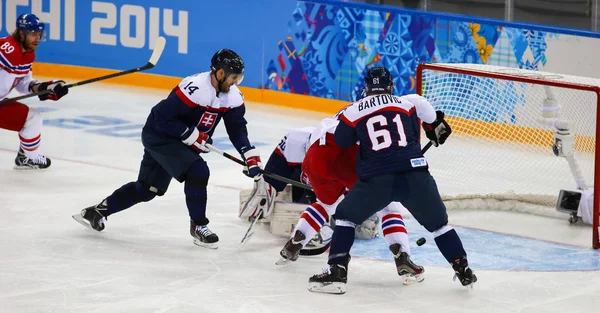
(345, 134)
(58, 88)
(436, 128)
(278, 164)
(424, 109)
(235, 124)
(27, 84)
(166, 114)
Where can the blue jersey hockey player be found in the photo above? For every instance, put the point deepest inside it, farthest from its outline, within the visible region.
(175, 134)
(390, 167)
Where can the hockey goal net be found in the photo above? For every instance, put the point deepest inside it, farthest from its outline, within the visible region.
(505, 123)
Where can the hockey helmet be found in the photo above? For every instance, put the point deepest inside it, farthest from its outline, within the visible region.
(230, 62)
(378, 79)
(30, 23)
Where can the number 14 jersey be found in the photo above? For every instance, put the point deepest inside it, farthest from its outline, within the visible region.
(196, 103)
(388, 130)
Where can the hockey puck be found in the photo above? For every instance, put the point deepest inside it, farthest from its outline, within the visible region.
(421, 241)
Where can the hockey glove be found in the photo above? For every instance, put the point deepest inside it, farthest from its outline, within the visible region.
(438, 131)
(57, 88)
(253, 165)
(197, 140)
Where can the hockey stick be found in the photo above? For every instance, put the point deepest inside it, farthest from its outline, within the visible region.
(266, 173)
(248, 233)
(427, 146)
(159, 46)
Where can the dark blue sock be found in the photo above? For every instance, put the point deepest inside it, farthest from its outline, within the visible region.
(195, 191)
(126, 196)
(450, 245)
(341, 243)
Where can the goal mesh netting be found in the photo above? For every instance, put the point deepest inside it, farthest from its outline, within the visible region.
(501, 147)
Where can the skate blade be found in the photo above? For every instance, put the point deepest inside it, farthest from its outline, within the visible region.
(82, 221)
(333, 288)
(283, 262)
(412, 279)
(28, 168)
(199, 243)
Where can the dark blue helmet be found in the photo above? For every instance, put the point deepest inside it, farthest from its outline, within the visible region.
(230, 62)
(378, 80)
(30, 23)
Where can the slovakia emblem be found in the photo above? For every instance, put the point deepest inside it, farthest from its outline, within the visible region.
(207, 121)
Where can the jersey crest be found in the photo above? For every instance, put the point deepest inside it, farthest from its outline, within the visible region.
(207, 121)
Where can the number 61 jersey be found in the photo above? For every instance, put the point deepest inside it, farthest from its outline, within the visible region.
(388, 130)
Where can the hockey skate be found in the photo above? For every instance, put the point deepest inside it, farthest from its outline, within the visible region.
(409, 272)
(203, 236)
(463, 272)
(332, 280)
(291, 250)
(91, 217)
(23, 162)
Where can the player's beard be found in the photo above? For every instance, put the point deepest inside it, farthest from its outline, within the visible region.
(29, 46)
(223, 87)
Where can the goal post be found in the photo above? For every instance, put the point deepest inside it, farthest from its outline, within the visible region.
(519, 136)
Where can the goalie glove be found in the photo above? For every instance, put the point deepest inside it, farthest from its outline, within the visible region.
(439, 130)
(58, 89)
(262, 199)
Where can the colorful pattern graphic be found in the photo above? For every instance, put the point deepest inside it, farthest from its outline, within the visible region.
(329, 48)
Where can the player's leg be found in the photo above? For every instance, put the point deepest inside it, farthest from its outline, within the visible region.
(328, 193)
(418, 192)
(28, 122)
(364, 199)
(186, 166)
(310, 223)
(196, 182)
(153, 180)
(394, 232)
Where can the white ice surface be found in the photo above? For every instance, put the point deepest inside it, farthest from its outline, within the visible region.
(145, 260)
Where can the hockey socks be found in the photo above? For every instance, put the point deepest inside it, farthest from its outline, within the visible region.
(311, 221)
(125, 197)
(195, 191)
(449, 243)
(341, 243)
(394, 231)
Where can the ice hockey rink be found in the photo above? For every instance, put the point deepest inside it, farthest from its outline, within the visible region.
(145, 261)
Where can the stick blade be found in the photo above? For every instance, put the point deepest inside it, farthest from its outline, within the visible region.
(159, 46)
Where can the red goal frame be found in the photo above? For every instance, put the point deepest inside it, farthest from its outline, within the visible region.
(533, 80)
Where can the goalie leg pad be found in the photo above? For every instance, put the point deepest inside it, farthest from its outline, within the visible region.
(260, 201)
(369, 229)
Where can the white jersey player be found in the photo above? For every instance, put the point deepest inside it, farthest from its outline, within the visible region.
(289, 155)
(16, 59)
